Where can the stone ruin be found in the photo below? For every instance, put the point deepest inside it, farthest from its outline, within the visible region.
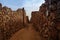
(11, 21)
(46, 21)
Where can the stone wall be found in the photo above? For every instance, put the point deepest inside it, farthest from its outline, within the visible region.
(47, 23)
(11, 21)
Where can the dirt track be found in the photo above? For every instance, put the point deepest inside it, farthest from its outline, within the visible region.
(26, 34)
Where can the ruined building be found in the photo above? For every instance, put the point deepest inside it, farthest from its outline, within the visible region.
(11, 21)
(45, 21)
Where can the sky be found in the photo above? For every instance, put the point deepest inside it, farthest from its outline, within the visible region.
(29, 5)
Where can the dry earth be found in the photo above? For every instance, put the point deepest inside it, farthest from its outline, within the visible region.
(27, 33)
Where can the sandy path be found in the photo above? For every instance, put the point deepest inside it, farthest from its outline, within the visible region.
(26, 34)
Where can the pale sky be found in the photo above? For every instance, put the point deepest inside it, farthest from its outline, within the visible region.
(29, 5)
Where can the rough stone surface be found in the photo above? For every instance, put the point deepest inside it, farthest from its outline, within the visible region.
(43, 25)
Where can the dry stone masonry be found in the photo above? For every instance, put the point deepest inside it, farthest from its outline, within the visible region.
(45, 22)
